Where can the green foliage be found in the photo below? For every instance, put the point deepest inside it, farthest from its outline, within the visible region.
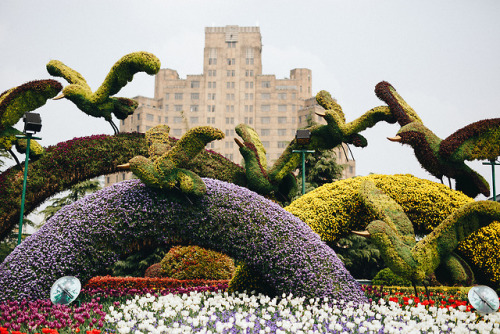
(360, 257)
(167, 170)
(246, 278)
(193, 262)
(387, 278)
(137, 263)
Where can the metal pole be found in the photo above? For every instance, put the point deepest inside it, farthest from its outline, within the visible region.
(493, 163)
(28, 137)
(303, 154)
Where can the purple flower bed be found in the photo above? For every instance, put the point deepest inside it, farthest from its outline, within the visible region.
(89, 235)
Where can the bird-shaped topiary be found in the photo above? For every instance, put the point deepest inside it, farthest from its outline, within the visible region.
(166, 166)
(14, 103)
(278, 179)
(479, 140)
(100, 103)
(393, 234)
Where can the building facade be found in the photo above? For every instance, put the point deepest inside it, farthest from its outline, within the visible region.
(231, 90)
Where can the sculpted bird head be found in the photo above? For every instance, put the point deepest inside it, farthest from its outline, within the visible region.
(416, 135)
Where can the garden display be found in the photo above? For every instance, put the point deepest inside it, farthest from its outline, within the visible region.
(194, 196)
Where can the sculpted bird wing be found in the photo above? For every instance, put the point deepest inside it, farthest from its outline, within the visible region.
(191, 144)
(400, 110)
(476, 141)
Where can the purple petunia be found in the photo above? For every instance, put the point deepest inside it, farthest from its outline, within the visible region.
(86, 237)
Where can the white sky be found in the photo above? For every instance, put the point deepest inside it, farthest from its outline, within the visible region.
(443, 57)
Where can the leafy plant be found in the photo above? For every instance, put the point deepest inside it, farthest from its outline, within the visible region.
(388, 278)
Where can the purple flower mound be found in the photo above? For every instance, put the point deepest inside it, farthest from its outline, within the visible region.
(84, 238)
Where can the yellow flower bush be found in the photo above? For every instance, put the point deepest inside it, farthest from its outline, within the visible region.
(335, 209)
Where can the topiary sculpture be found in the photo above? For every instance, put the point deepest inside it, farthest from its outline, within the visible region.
(14, 103)
(278, 179)
(194, 262)
(393, 233)
(99, 103)
(479, 140)
(84, 238)
(166, 167)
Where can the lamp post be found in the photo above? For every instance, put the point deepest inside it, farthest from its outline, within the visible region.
(493, 163)
(303, 137)
(32, 124)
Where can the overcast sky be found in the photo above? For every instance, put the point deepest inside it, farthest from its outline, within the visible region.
(443, 57)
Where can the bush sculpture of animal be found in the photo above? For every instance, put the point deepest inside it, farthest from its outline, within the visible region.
(476, 141)
(278, 179)
(394, 235)
(14, 103)
(166, 166)
(100, 103)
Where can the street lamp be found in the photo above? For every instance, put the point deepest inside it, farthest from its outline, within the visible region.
(493, 163)
(303, 137)
(32, 125)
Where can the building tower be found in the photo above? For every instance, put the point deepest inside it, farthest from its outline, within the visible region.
(231, 90)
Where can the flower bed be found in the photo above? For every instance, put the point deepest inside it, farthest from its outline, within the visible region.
(86, 237)
(155, 283)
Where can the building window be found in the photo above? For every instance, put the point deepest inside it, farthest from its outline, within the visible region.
(212, 56)
(166, 107)
(167, 96)
(281, 96)
(138, 129)
(177, 132)
(265, 96)
(193, 120)
(210, 120)
(195, 96)
(249, 73)
(195, 84)
(194, 107)
(266, 84)
(265, 144)
(229, 132)
(248, 120)
(230, 84)
(212, 73)
(294, 96)
(147, 127)
(265, 120)
(159, 119)
(265, 107)
(282, 120)
(249, 84)
(249, 108)
(265, 132)
(281, 107)
(231, 45)
(249, 61)
(231, 61)
(229, 144)
(229, 96)
(212, 84)
(211, 108)
(249, 55)
(248, 96)
(177, 119)
(229, 120)
(178, 107)
(138, 117)
(230, 73)
(123, 122)
(211, 96)
(281, 132)
(282, 144)
(150, 117)
(294, 108)
(166, 120)
(178, 96)
(229, 108)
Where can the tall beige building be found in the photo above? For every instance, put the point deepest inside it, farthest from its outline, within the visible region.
(231, 90)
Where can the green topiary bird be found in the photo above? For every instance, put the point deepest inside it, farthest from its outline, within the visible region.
(278, 179)
(14, 103)
(476, 141)
(100, 104)
(393, 234)
(166, 166)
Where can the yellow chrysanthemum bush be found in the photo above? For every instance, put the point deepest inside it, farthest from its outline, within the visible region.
(335, 209)
(482, 250)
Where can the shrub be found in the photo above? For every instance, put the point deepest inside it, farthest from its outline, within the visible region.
(154, 271)
(193, 262)
(388, 278)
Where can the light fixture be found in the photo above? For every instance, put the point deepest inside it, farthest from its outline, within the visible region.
(32, 123)
(303, 136)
